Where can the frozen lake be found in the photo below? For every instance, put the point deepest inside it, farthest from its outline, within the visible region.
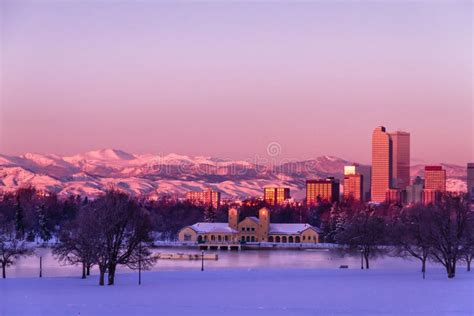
(246, 259)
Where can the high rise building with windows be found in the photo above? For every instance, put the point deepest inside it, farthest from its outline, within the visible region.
(322, 190)
(353, 186)
(276, 195)
(381, 164)
(365, 172)
(400, 159)
(207, 197)
(470, 181)
(390, 163)
(435, 183)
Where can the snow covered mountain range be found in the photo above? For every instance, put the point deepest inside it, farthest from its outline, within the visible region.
(90, 173)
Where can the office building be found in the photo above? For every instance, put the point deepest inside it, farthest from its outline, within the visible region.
(276, 195)
(400, 159)
(322, 190)
(207, 197)
(381, 164)
(365, 172)
(354, 186)
(435, 184)
(470, 180)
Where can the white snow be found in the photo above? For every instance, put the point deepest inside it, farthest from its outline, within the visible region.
(212, 228)
(89, 173)
(240, 292)
(288, 228)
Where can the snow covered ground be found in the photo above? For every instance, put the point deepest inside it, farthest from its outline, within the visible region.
(245, 292)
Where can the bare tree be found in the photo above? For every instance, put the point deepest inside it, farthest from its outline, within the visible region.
(450, 220)
(364, 232)
(78, 242)
(11, 250)
(468, 241)
(411, 233)
(125, 230)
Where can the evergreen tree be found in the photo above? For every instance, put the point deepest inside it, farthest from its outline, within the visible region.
(210, 215)
(19, 220)
(43, 229)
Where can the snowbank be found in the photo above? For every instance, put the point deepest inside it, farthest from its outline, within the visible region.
(245, 292)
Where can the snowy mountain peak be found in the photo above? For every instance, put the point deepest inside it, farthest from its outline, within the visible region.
(104, 155)
(90, 173)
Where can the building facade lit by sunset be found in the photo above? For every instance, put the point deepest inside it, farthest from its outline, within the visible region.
(322, 190)
(390, 164)
(381, 164)
(435, 183)
(276, 195)
(207, 197)
(353, 186)
(470, 181)
(365, 172)
(400, 159)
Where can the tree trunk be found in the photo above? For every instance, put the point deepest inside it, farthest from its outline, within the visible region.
(469, 264)
(451, 269)
(4, 271)
(83, 270)
(366, 261)
(423, 267)
(111, 274)
(88, 269)
(102, 275)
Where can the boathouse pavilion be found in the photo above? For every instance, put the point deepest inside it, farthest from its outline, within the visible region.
(250, 229)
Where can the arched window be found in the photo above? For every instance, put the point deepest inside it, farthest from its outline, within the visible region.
(283, 239)
(270, 238)
(290, 239)
(297, 239)
(252, 239)
(277, 239)
(213, 238)
(248, 239)
(219, 238)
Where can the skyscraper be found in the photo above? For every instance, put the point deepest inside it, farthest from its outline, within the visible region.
(400, 159)
(381, 164)
(470, 180)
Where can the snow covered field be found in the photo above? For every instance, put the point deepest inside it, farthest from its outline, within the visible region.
(245, 292)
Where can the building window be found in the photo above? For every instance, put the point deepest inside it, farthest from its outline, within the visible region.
(248, 229)
(253, 229)
(243, 228)
(187, 237)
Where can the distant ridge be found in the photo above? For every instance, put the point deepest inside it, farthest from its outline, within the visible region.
(91, 172)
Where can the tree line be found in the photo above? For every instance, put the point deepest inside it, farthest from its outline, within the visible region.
(118, 229)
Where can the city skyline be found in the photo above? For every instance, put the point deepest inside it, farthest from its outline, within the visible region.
(115, 86)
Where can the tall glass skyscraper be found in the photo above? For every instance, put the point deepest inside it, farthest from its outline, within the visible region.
(381, 164)
(390, 163)
(400, 159)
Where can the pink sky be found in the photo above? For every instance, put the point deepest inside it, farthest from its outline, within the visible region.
(225, 79)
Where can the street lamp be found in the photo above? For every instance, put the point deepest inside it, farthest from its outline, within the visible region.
(40, 252)
(202, 260)
(140, 264)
